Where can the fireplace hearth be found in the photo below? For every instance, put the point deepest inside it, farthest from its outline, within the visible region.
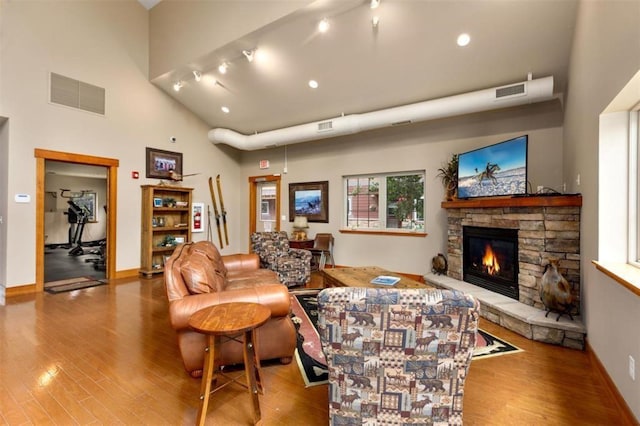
(490, 259)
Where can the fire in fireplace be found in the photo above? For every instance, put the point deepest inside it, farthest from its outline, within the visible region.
(490, 259)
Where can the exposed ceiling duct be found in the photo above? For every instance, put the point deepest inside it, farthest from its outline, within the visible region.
(482, 100)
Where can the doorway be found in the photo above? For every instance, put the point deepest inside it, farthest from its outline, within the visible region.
(91, 205)
(75, 217)
(264, 204)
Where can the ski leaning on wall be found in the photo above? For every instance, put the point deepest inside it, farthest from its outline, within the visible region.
(215, 210)
(222, 210)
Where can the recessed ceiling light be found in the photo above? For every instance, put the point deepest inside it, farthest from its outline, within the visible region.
(313, 84)
(323, 26)
(463, 39)
(225, 109)
(223, 68)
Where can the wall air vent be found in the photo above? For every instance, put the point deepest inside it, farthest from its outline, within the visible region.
(325, 126)
(76, 94)
(511, 91)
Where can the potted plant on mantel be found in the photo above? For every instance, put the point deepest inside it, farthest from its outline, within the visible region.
(448, 174)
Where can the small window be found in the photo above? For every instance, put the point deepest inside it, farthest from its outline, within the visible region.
(393, 201)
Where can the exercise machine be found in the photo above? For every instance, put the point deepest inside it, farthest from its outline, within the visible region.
(77, 217)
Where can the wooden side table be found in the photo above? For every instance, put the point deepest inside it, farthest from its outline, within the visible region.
(301, 244)
(237, 321)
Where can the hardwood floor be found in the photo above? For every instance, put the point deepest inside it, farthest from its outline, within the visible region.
(108, 355)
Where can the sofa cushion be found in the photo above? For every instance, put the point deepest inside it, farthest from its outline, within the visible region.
(200, 275)
(212, 253)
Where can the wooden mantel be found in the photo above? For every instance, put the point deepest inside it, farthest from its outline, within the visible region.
(525, 201)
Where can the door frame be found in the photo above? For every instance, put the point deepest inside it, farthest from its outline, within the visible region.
(253, 206)
(112, 186)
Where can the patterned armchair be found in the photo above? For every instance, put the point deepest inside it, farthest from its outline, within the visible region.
(293, 266)
(400, 356)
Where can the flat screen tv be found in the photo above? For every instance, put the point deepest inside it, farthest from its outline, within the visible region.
(499, 169)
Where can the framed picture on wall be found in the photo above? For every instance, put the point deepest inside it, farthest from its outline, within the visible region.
(87, 202)
(310, 199)
(161, 163)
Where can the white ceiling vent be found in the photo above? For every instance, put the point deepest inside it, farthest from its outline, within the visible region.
(76, 94)
(511, 91)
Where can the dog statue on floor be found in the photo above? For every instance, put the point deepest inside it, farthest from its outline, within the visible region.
(555, 291)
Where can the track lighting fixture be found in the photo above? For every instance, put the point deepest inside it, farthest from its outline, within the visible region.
(375, 21)
(177, 86)
(223, 68)
(197, 75)
(225, 109)
(375, 4)
(249, 54)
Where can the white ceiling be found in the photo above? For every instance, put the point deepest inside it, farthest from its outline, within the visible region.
(412, 56)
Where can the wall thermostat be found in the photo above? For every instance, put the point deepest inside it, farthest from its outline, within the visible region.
(22, 198)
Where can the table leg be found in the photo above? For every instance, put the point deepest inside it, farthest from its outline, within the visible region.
(251, 371)
(207, 376)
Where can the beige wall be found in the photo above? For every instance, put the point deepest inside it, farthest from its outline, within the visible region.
(417, 147)
(605, 55)
(103, 43)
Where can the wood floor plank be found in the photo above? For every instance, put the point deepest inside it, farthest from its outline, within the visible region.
(108, 355)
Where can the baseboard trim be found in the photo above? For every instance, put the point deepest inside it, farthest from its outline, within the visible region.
(127, 273)
(31, 288)
(20, 290)
(627, 414)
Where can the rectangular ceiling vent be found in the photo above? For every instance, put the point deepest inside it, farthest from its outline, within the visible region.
(512, 91)
(76, 94)
(325, 126)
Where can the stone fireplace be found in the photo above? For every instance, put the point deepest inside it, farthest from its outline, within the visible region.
(547, 227)
(522, 233)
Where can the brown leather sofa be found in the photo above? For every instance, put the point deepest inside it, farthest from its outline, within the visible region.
(197, 276)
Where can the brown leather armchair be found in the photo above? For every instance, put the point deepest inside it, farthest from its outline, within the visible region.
(197, 276)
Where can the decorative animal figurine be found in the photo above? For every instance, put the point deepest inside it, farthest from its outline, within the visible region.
(439, 264)
(555, 291)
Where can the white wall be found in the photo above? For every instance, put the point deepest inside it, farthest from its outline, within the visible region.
(605, 55)
(103, 43)
(423, 146)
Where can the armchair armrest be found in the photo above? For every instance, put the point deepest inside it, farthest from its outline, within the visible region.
(300, 253)
(275, 297)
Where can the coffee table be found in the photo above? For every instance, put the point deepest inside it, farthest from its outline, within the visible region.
(230, 320)
(362, 276)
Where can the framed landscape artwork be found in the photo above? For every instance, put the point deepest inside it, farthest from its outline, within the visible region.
(310, 199)
(160, 163)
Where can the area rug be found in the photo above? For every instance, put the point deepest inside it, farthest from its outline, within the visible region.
(310, 358)
(71, 284)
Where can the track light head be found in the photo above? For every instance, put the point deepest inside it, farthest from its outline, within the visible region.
(197, 75)
(223, 68)
(177, 86)
(249, 54)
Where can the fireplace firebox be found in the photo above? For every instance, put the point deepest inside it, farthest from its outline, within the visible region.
(490, 259)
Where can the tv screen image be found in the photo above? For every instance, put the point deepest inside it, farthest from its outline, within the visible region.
(499, 169)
